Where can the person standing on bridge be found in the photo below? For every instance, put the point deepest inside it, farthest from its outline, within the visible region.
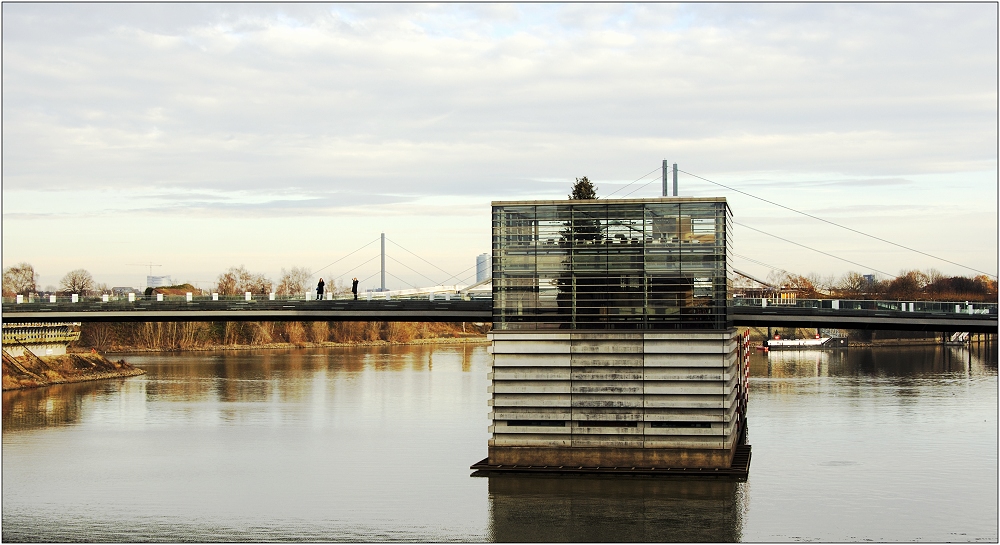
(319, 290)
(354, 288)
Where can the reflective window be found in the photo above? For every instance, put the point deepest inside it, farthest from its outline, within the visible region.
(625, 264)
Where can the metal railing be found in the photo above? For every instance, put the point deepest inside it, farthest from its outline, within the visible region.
(955, 307)
(934, 307)
(253, 297)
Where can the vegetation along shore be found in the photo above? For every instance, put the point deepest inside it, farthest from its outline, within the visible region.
(31, 371)
(168, 336)
(84, 363)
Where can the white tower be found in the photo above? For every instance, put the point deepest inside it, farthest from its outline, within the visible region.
(484, 267)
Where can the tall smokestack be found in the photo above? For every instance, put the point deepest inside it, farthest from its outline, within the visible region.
(666, 176)
(675, 179)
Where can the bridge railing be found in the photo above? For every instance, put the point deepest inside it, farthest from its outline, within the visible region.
(265, 300)
(123, 300)
(935, 307)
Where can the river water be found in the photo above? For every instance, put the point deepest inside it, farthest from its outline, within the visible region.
(374, 444)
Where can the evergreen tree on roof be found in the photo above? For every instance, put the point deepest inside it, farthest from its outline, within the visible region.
(583, 189)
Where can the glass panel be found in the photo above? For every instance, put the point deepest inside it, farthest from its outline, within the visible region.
(608, 265)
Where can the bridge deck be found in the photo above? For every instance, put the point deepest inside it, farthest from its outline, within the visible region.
(863, 319)
(927, 316)
(255, 310)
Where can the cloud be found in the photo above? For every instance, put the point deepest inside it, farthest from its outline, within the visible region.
(282, 91)
(303, 110)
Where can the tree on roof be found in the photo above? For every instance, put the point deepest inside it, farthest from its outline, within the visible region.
(583, 189)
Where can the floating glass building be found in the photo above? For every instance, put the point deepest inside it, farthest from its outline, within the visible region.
(612, 343)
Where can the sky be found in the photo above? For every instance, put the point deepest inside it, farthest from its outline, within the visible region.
(197, 137)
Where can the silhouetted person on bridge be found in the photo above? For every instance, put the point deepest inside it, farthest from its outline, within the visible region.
(354, 288)
(319, 290)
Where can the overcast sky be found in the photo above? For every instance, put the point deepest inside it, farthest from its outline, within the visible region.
(201, 136)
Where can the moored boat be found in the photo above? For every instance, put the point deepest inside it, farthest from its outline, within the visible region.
(777, 343)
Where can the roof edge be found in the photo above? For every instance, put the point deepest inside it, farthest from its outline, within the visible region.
(665, 200)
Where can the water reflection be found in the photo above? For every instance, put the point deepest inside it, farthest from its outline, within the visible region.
(56, 405)
(374, 444)
(277, 375)
(601, 509)
(899, 361)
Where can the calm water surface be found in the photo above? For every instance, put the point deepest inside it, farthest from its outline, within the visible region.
(374, 444)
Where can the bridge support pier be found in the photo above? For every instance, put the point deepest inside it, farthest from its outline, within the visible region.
(617, 399)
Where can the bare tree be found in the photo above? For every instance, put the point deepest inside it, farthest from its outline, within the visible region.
(852, 284)
(259, 284)
(238, 280)
(908, 285)
(294, 281)
(228, 281)
(78, 281)
(99, 335)
(20, 279)
(776, 277)
(933, 275)
(802, 284)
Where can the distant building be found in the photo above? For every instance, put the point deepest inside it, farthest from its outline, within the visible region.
(870, 278)
(123, 290)
(484, 267)
(158, 281)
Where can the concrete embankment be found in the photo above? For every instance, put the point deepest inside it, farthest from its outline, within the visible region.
(30, 371)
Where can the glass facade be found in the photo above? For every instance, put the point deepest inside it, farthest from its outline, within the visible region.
(629, 264)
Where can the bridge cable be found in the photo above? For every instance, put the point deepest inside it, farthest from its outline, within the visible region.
(772, 267)
(369, 276)
(469, 277)
(456, 277)
(345, 257)
(401, 280)
(414, 270)
(363, 280)
(422, 259)
(632, 182)
(350, 271)
(813, 249)
(838, 225)
(639, 188)
(465, 277)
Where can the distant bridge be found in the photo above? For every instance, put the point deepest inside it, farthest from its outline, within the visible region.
(806, 313)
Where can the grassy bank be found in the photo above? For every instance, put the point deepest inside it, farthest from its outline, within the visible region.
(476, 339)
(157, 336)
(30, 371)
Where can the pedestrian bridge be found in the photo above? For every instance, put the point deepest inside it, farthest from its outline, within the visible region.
(807, 313)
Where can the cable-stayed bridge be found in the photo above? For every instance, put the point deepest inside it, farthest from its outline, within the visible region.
(451, 298)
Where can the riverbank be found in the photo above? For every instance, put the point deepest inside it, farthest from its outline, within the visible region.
(173, 336)
(479, 339)
(31, 371)
(756, 337)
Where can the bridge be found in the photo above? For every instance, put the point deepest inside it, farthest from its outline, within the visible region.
(751, 312)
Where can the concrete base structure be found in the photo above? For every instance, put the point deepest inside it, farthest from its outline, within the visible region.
(51, 349)
(42, 339)
(600, 398)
